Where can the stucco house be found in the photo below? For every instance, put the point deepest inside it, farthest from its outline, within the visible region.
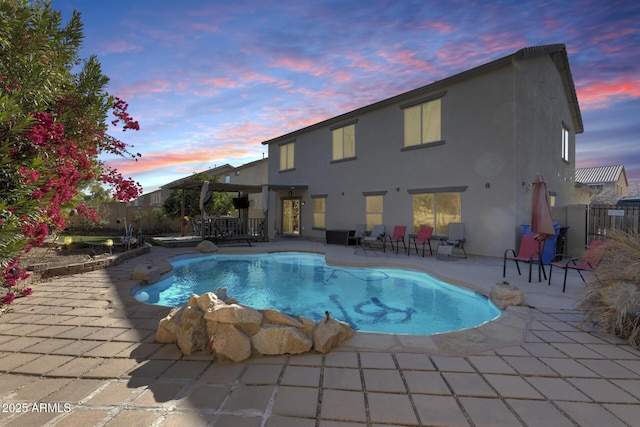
(462, 149)
(608, 183)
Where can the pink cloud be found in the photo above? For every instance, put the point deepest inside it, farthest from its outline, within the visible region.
(119, 46)
(143, 88)
(202, 27)
(153, 161)
(597, 95)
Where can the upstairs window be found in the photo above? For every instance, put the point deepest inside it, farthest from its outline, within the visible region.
(286, 156)
(422, 123)
(565, 144)
(344, 142)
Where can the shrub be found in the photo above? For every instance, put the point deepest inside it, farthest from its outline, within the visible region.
(612, 300)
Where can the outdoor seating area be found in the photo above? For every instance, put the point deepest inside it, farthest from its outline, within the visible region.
(451, 245)
(530, 251)
(588, 262)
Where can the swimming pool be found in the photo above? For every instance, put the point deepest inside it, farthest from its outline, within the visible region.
(386, 300)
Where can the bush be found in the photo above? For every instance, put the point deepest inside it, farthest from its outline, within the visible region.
(612, 300)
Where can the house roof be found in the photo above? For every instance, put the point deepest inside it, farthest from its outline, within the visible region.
(221, 187)
(558, 53)
(601, 174)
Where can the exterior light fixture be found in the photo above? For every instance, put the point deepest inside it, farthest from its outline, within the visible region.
(109, 244)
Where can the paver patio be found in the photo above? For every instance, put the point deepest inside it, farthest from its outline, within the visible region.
(80, 352)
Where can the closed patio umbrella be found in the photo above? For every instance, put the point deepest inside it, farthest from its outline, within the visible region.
(541, 221)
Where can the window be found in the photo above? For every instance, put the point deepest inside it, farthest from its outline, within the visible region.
(565, 143)
(227, 179)
(373, 211)
(422, 123)
(319, 209)
(286, 156)
(436, 210)
(344, 142)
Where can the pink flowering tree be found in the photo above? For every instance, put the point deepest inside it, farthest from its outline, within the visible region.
(53, 127)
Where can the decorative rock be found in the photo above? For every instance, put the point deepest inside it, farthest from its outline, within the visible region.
(206, 246)
(276, 339)
(231, 343)
(147, 273)
(278, 318)
(504, 295)
(234, 313)
(308, 326)
(207, 301)
(330, 333)
(192, 334)
(168, 326)
(221, 293)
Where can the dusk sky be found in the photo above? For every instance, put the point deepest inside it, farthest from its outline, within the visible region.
(210, 80)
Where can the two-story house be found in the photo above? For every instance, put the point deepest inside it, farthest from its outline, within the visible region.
(462, 149)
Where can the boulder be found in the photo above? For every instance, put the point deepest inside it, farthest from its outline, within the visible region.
(330, 333)
(230, 343)
(192, 332)
(503, 295)
(235, 314)
(277, 318)
(206, 247)
(147, 273)
(168, 326)
(308, 326)
(207, 301)
(277, 339)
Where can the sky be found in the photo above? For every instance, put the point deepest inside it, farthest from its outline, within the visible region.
(209, 81)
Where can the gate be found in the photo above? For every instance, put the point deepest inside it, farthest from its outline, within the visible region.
(605, 218)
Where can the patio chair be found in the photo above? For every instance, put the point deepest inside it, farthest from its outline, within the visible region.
(376, 236)
(530, 250)
(454, 240)
(423, 238)
(399, 232)
(357, 235)
(589, 261)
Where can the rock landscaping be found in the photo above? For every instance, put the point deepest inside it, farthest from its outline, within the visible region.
(218, 324)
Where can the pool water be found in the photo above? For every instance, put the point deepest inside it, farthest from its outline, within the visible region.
(386, 300)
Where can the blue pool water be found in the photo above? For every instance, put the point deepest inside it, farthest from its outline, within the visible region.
(378, 300)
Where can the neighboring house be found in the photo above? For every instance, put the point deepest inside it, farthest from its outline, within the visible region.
(609, 183)
(462, 149)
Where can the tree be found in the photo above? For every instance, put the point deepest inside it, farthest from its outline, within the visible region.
(53, 111)
(220, 203)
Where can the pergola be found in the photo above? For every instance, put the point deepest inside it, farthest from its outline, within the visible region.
(218, 187)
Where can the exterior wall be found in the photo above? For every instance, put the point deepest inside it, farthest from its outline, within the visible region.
(541, 111)
(499, 128)
(254, 173)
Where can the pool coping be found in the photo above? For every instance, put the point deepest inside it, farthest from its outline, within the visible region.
(509, 328)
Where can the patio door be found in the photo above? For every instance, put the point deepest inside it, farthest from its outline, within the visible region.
(291, 216)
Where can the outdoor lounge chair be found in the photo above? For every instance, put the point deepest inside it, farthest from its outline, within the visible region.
(530, 250)
(423, 238)
(455, 239)
(399, 232)
(588, 262)
(357, 235)
(376, 236)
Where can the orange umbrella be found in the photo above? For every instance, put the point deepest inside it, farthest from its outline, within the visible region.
(541, 222)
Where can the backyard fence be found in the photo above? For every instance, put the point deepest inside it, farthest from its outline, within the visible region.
(603, 219)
